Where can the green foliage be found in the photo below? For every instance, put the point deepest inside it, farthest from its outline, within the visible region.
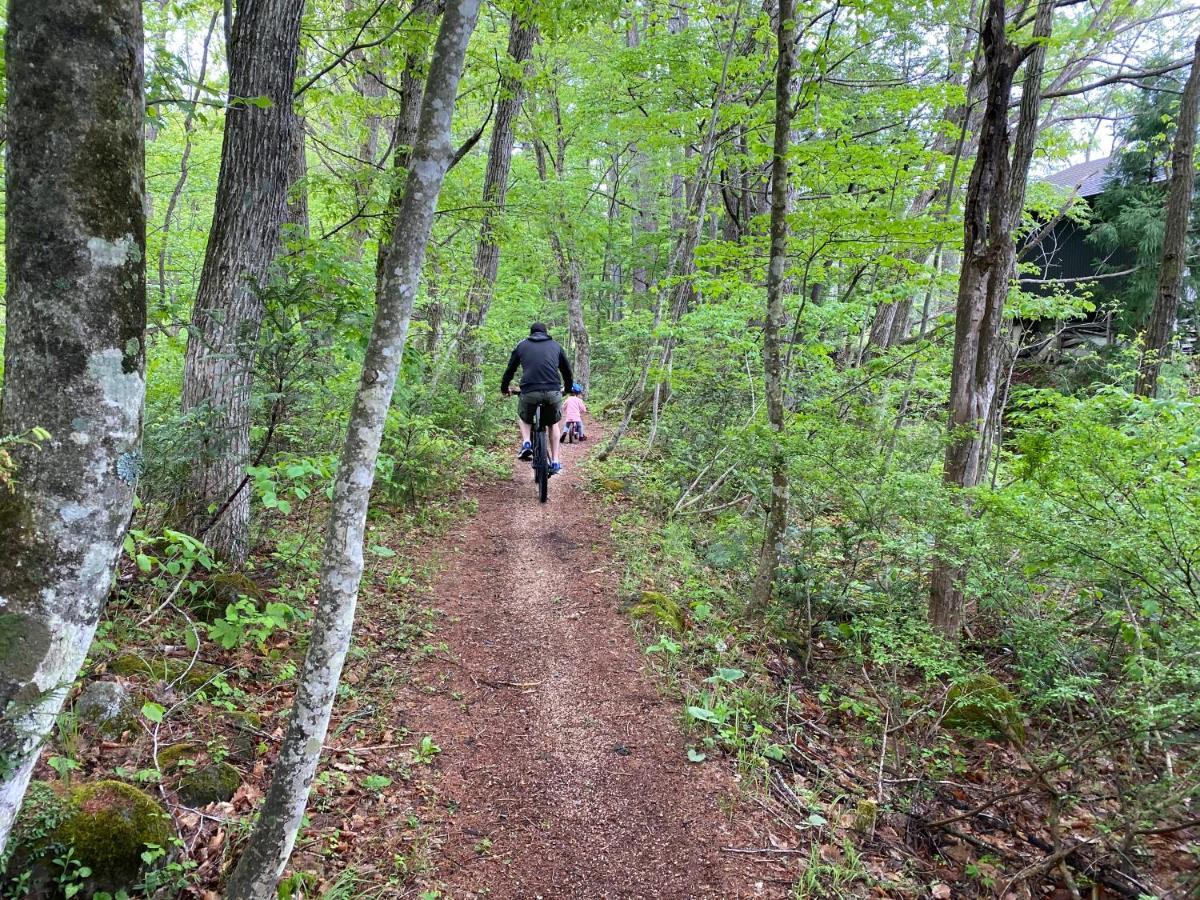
(1130, 214)
(244, 623)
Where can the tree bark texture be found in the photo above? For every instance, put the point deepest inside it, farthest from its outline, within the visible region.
(995, 199)
(521, 38)
(257, 163)
(74, 349)
(1157, 340)
(271, 842)
(768, 560)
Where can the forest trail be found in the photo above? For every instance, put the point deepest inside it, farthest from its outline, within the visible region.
(559, 756)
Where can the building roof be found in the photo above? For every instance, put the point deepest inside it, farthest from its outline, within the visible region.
(1087, 179)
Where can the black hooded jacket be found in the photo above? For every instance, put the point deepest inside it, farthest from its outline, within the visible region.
(541, 360)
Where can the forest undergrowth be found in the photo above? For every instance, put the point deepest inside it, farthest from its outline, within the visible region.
(1050, 751)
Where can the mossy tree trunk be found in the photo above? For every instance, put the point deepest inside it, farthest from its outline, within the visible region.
(1157, 341)
(521, 38)
(258, 159)
(768, 559)
(74, 352)
(271, 842)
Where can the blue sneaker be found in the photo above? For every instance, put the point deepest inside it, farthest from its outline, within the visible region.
(526, 451)
(556, 468)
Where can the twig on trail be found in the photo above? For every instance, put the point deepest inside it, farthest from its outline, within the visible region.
(777, 850)
(364, 749)
(511, 684)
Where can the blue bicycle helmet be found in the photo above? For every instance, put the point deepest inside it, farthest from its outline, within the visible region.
(576, 388)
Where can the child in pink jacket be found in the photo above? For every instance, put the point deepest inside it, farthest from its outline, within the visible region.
(573, 409)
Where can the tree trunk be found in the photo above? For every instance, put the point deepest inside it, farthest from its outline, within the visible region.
(74, 350)
(645, 220)
(570, 276)
(412, 90)
(995, 199)
(768, 560)
(495, 186)
(184, 157)
(297, 200)
(371, 88)
(271, 842)
(257, 161)
(1157, 341)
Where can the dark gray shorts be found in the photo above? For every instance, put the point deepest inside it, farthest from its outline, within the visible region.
(550, 401)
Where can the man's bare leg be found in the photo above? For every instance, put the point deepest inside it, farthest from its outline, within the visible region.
(555, 435)
(526, 430)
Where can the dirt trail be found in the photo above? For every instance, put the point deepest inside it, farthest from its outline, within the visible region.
(564, 772)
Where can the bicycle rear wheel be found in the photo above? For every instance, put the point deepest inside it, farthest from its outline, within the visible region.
(541, 458)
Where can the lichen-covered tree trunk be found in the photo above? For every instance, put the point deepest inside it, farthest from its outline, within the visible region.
(1157, 341)
(257, 163)
(995, 199)
(768, 559)
(521, 38)
(73, 352)
(274, 834)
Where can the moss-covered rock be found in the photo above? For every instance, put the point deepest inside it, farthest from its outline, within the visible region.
(172, 755)
(657, 605)
(613, 485)
(109, 825)
(109, 706)
(981, 705)
(27, 867)
(166, 670)
(212, 783)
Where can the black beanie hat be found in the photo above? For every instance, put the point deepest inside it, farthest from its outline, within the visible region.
(536, 327)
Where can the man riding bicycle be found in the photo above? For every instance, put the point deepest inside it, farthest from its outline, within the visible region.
(542, 361)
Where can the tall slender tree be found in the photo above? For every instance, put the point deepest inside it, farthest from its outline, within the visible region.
(271, 842)
(768, 560)
(1157, 341)
(521, 37)
(562, 243)
(257, 163)
(404, 131)
(74, 350)
(995, 199)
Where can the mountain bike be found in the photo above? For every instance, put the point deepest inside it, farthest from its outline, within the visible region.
(540, 441)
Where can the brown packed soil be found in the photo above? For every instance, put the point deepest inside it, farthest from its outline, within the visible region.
(563, 772)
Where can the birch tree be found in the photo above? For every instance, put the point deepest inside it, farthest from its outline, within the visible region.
(257, 163)
(74, 350)
(768, 560)
(995, 200)
(274, 834)
(1157, 340)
